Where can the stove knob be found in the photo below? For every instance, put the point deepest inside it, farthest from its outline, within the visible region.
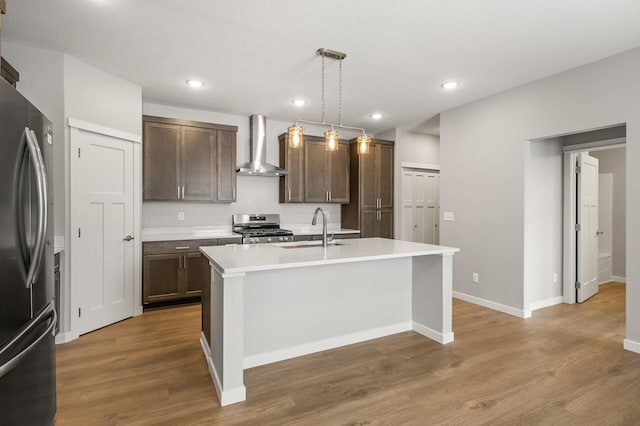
(268, 239)
(281, 238)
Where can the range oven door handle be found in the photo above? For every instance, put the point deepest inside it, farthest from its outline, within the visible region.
(47, 314)
(41, 189)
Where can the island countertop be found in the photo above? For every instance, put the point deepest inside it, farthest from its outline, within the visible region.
(241, 258)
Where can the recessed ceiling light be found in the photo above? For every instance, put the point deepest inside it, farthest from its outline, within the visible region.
(299, 102)
(450, 85)
(196, 84)
(376, 116)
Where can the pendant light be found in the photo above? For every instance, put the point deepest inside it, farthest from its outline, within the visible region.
(332, 136)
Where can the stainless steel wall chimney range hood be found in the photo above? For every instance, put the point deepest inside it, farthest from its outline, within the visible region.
(257, 165)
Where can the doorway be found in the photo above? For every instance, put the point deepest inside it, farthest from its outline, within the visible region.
(104, 219)
(594, 220)
(550, 209)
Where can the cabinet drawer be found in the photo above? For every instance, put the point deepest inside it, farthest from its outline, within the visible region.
(170, 247)
(185, 246)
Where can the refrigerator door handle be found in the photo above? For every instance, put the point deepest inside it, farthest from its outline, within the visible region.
(41, 188)
(47, 314)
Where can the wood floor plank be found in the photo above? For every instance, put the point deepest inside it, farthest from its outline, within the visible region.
(564, 366)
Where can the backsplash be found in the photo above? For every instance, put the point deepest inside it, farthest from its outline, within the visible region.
(254, 194)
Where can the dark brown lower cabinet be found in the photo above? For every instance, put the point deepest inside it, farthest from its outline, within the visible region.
(172, 270)
(162, 277)
(376, 223)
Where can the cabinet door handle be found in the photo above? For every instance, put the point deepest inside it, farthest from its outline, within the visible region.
(183, 192)
(183, 248)
(234, 193)
(289, 195)
(330, 196)
(178, 192)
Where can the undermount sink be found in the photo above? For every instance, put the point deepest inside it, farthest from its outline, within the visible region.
(303, 244)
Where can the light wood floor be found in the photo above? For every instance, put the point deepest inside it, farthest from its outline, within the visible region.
(564, 366)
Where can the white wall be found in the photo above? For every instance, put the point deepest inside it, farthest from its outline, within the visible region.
(543, 223)
(483, 150)
(255, 194)
(614, 161)
(41, 81)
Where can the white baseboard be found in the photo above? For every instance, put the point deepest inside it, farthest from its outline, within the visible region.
(226, 397)
(632, 346)
(138, 310)
(442, 338)
(492, 305)
(323, 345)
(65, 337)
(545, 303)
(619, 279)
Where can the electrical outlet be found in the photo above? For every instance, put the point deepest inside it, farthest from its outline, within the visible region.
(180, 215)
(555, 277)
(474, 277)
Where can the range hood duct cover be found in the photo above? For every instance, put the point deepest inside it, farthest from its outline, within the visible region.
(257, 165)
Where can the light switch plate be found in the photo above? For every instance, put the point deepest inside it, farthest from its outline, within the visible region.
(448, 216)
(180, 215)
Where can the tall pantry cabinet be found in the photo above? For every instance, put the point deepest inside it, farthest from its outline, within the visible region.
(371, 206)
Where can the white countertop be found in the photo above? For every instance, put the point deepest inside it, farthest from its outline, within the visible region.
(173, 233)
(241, 258)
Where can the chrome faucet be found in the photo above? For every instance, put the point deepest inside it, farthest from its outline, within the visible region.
(324, 225)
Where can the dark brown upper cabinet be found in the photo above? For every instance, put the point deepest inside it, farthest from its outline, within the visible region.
(188, 160)
(326, 173)
(292, 159)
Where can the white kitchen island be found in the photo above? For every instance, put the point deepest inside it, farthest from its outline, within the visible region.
(270, 302)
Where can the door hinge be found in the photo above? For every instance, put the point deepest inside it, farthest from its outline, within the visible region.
(78, 232)
(578, 285)
(79, 312)
(578, 227)
(78, 152)
(578, 168)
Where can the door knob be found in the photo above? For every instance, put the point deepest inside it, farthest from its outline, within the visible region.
(128, 238)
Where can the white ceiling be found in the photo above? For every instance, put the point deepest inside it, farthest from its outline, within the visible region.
(256, 56)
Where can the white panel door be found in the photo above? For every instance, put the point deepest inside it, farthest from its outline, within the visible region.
(406, 189)
(420, 223)
(103, 255)
(420, 206)
(431, 209)
(605, 212)
(587, 236)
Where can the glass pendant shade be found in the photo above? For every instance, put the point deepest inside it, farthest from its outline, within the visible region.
(295, 136)
(331, 138)
(363, 144)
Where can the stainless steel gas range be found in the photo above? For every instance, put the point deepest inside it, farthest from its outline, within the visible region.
(260, 228)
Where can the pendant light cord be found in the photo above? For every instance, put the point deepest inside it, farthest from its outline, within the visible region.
(323, 89)
(340, 95)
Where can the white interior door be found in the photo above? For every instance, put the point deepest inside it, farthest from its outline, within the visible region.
(420, 223)
(605, 212)
(420, 206)
(431, 208)
(587, 236)
(102, 253)
(406, 229)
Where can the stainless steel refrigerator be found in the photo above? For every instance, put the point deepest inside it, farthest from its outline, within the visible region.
(27, 313)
